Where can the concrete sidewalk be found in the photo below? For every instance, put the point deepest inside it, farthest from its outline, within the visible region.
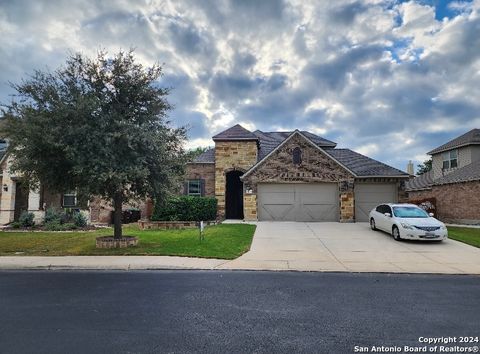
(296, 246)
(109, 262)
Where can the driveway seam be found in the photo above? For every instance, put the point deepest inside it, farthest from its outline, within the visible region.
(324, 245)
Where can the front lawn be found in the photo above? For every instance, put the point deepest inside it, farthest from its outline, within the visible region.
(225, 241)
(467, 235)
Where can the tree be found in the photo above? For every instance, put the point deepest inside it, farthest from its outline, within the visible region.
(424, 167)
(98, 126)
(192, 154)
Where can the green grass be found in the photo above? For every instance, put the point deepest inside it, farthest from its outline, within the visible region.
(467, 235)
(225, 241)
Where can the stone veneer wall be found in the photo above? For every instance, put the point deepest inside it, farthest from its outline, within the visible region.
(316, 166)
(231, 155)
(205, 171)
(456, 202)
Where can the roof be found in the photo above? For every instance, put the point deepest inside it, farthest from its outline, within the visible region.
(360, 165)
(270, 140)
(206, 157)
(468, 173)
(364, 166)
(469, 138)
(422, 182)
(237, 132)
(291, 135)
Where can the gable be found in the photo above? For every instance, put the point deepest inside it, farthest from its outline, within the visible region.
(316, 165)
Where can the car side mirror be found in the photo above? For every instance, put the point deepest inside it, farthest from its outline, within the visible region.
(431, 214)
(388, 215)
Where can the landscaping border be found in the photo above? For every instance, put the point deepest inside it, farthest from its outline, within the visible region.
(168, 225)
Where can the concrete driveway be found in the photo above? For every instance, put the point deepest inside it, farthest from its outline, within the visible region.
(350, 247)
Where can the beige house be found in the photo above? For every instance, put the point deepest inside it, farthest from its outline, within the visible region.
(294, 176)
(454, 180)
(14, 198)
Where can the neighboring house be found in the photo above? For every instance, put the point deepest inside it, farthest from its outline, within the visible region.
(14, 198)
(295, 176)
(454, 180)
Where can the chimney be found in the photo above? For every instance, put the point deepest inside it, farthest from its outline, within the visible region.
(410, 168)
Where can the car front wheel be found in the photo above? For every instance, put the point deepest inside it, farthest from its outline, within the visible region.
(372, 224)
(396, 233)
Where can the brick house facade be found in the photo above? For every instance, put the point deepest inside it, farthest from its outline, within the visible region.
(291, 176)
(454, 181)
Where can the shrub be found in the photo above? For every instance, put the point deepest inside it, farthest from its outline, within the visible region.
(79, 219)
(26, 219)
(186, 208)
(56, 226)
(53, 226)
(15, 225)
(56, 219)
(53, 215)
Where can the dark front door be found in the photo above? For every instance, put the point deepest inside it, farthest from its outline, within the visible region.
(21, 200)
(234, 196)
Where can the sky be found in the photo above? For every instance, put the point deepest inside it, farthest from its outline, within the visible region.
(389, 79)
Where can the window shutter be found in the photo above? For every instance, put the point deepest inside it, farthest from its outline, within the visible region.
(202, 187)
(185, 188)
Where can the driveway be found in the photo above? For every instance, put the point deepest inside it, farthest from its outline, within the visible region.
(332, 246)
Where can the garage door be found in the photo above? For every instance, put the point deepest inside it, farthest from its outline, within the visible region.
(298, 202)
(369, 195)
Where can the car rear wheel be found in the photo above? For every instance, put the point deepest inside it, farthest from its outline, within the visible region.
(372, 224)
(396, 233)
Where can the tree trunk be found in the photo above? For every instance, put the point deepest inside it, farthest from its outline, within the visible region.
(117, 215)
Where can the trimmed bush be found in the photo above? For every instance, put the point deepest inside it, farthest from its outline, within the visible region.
(26, 219)
(79, 219)
(15, 225)
(53, 215)
(186, 208)
(59, 220)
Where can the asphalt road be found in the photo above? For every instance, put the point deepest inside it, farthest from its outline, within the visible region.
(229, 312)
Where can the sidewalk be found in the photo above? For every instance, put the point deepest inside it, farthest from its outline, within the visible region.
(109, 262)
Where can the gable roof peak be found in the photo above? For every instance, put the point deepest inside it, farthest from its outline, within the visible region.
(237, 132)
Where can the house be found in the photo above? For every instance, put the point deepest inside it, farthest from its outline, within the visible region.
(291, 176)
(454, 180)
(15, 198)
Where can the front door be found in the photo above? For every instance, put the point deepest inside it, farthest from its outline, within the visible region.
(21, 200)
(234, 195)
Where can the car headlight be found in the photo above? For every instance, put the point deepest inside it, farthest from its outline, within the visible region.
(443, 227)
(407, 226)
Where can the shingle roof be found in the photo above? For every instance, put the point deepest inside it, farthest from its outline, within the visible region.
(359, 164)
(468, 173)
(270, 140)
(364, 166)
(206, 157)
(471, 137)
(422, 182)
(237, 132)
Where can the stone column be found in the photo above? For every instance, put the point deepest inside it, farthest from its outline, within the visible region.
(34, 206)
(347, 201)
(7, 202)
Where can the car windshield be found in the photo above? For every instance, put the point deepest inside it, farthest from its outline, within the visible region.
(409, 212)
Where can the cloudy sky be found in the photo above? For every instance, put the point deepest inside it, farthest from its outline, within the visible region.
(389, 79)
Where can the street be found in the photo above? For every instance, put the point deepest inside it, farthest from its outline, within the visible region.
(229, 311)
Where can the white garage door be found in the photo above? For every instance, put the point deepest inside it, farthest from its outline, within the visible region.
(298, 202)
(369, 195)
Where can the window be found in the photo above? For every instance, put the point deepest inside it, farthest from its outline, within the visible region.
(450, 159)
(409, 212)
(297, 156)
(69, 199)
(194, 187)
(382, 209)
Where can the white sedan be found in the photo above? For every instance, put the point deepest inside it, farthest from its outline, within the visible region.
(407, 221)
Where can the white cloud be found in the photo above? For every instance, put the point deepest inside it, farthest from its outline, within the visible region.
(372, 74)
